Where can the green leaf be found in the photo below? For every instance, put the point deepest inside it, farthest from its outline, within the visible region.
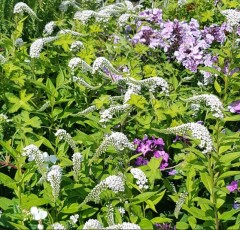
(192, 221)
(224, 148)
(236, 226)
(182, 225)
(137, 210)
(101, 101)
(5, 203)
(146, 224)
(34, 121)
(72, 208)
(18, 226)
(8, 148)
(161, 220)
(21, 102)
(190, 180)
(207, 16)
(158, 197)
(232, 118)
(33, 200)
(228, 174)
(150, 205)
(197, 213)
(207, 181)
(229, 157)
(217, 87)
(155, 172)
(8, 181)
(228, 214)
(138, 100)
(143, 197)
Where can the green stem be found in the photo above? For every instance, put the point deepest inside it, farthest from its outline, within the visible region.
(213, 197)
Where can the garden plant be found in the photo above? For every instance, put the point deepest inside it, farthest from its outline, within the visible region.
(120, 114)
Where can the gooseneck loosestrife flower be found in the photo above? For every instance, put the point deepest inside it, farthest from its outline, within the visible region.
(152, 83)
(80, 81)
(76, 46)
(84, 16)
(66, 31)
(114, 183)
(58, 226)
(106, 12)
(86, 111)
(66, 4)
(37, 46)
(54, 176)
(49, 27)
(138, 174)
(74, 218)
(118, 140)
(33, 153)
(22, 7)
(131, 90)
(124, 225)
(2, 59)
(100, 63)
(92, 224)
(19, 42)
(211, 101)
(63, 135)
(107, 114)
(76, 62)
(46, 105)
(76, 159)
(196, 131)
(110, 214)
(180, 203)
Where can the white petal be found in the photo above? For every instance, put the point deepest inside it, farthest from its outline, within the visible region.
(43, 214)
(33, 210)
(45, 157)
(53, 159)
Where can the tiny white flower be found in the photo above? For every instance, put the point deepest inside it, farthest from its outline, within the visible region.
(49, 27)
(92, 224)
(138, 174)
(40, 227)
(51, 158)
(19, 42)
(74, 218)
(58, 226)
(38, 214)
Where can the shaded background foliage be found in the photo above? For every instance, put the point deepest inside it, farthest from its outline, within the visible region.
(46, 11)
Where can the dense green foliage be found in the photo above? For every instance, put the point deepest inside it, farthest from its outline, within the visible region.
(41, 95)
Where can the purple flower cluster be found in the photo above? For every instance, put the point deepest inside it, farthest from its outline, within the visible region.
(151, 147)
(151, 15)
(184, 41)
(164, 226)
(233, 186)
(234, 107)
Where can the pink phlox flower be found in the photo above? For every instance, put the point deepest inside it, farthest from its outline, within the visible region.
(144, 148)
(234, 107)
(233, 186)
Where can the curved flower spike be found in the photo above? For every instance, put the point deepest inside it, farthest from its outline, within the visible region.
(22, 7)
(197, 131)
(100, 63)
